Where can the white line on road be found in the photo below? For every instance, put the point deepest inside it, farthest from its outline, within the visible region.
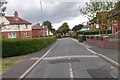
(100, 55)
(92, 51)
(34, 58)
(106, 58)
(82, 44)
(29, 69)
(72, 56)
(71, 71)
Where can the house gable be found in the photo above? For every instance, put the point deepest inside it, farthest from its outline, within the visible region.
(4, 20)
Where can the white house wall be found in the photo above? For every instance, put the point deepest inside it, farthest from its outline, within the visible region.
(15, 28)
(3, 19)
(22, 27)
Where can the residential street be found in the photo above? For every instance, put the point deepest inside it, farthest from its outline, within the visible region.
(68, 59)
(60, 39)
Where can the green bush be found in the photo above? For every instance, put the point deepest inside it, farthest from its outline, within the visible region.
(17, 47)
(93, 32)
(82, 38)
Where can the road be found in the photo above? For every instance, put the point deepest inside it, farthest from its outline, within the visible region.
(69, 59)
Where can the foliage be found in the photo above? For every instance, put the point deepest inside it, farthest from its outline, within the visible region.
(82, 38)
(58, 36)
(48, 24)
(77, 27)
(92, 8)
(17, 47)
(117, 6)
(93, 32)
(50, 27)
(117, 10)
(63, 29)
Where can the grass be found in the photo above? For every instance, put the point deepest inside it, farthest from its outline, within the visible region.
(7, 63)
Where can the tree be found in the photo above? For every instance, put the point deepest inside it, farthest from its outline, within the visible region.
(63, 29)
(77, 27)
(117, 6)
(2, 8)
(48, 24)
(53, 31)
(92, 8)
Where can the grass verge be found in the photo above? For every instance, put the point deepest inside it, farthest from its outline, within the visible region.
(7, 63)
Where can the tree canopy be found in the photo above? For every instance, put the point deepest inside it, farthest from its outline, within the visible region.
(63, 29)
(77, 27)
(117, 6)
(92, 8)
(48, 24)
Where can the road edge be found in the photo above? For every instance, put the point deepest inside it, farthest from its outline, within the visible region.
(114, 63)
(30, 68)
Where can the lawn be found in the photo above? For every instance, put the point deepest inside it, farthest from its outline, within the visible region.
(7, 63)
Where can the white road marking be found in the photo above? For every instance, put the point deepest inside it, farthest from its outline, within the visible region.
(100, 55)
(92, 51)
(71, 71)
(112, 76)
(29, 69)
(106, 58)
(73, 56)
(84, 45)
(34, 58)
(112, 67)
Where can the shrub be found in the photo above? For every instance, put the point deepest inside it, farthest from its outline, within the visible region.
(17, 47)
(93, 32)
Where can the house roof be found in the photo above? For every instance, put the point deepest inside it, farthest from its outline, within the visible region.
(13, 20)
(37, 26)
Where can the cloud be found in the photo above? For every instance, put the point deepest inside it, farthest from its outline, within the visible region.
(56, 11)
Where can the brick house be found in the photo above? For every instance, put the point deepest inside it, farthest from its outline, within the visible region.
(37, 31)
(114, 21)
(15, 27)
(40, 31)
(102, 20)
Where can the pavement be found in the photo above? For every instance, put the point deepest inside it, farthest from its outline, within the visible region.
(111, 53)
(67, 59)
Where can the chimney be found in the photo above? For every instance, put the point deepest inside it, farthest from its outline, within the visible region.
(16, 15)
(38, 24)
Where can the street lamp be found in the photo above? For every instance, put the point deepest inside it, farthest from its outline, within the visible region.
(41, 22)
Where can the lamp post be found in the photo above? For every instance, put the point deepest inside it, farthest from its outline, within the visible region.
(41, 22)
(18, 27)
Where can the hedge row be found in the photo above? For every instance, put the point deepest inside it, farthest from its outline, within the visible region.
(17, 47)
(93, 32)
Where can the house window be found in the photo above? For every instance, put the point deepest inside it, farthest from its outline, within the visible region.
(26, 34)
(12, 35)
(25, 26)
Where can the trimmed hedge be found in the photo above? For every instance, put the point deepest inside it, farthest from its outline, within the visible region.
(17, 47)
(93, 32)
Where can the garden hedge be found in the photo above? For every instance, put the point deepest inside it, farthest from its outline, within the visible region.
(17, 47)
(93, 32)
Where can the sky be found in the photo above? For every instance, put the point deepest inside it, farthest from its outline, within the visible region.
(55, 11)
